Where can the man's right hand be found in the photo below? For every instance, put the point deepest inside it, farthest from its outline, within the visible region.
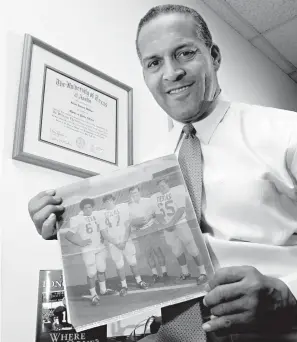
(139, 222)
(44, 209)
(121, 245)
(86, 243)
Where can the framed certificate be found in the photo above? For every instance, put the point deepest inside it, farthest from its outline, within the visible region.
(71, 117)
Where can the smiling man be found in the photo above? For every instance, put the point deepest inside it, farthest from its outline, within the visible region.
(248, 205)
(180, 91)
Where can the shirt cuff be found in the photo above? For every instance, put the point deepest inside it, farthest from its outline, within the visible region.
(291, 281)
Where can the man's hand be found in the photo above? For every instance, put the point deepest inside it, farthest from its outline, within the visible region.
(121, 245)
(139, 222)
(43, 209)
(170, 228)
(86, 243)
(241, 299)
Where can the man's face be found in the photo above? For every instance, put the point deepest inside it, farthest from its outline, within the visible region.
(87, 210)
(177, 66)
(109, 204)
(163, 187)
(135, 195)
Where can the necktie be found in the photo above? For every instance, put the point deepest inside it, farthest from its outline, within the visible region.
(183, 322)
(190, 160)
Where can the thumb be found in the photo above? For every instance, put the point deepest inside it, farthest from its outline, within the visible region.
(49, 227)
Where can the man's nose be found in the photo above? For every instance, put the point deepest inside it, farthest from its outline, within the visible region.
(173, 71)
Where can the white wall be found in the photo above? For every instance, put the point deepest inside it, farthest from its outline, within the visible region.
(100, 33)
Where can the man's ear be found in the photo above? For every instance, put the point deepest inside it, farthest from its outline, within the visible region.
(216, 56)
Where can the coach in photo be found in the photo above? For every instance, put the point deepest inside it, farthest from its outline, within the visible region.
(239, 162)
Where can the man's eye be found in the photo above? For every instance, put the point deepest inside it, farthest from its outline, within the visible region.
(186, 54)
(153, 64)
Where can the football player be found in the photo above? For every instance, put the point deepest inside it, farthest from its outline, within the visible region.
(142, 218)
(117, 231)
(61, 312)
(85, 233)
(170, 208)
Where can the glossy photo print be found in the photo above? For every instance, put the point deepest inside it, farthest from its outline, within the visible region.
(130, 242)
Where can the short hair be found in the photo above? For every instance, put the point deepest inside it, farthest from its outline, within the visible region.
(108, 198)
(203, 31)
(86, 201)
(135, 187)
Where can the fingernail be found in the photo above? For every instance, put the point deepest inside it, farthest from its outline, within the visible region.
(204, 303)
(52, 216)
(57, 198)
(51, 192)
(206, 327)
(213, 317)
(207, 288)
(60, 207)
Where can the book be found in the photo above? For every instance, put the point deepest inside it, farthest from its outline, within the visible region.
(53, 323)
(130, 242)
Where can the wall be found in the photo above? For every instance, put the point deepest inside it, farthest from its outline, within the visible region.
(100, 33)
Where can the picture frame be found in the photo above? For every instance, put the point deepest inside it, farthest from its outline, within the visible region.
(71, 117)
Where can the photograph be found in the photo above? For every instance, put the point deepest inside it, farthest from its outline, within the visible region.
(149, 153)
(130, 242)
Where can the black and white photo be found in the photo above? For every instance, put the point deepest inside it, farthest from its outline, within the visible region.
(197, 241)
(130, 242)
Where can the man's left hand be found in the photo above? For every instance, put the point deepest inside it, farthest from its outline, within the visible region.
(121, 245)
(241, 299)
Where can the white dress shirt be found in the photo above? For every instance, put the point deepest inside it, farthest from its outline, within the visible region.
(250, 186)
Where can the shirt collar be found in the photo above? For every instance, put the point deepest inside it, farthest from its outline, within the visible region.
(206, 127)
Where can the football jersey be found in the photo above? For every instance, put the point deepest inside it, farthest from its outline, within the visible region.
(114, 221)
(88, 227)
(61, 313)
(142, 209)
(169, 203)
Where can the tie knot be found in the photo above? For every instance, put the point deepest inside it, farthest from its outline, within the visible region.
(189, 130)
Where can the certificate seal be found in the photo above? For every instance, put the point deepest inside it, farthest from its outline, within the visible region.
(80, 143)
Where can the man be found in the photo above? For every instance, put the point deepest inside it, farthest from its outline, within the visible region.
(116, 230)
(171, 204)
(249, 172)
(61, 312)
(142, 215)
(249, 176)
(85, 233)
